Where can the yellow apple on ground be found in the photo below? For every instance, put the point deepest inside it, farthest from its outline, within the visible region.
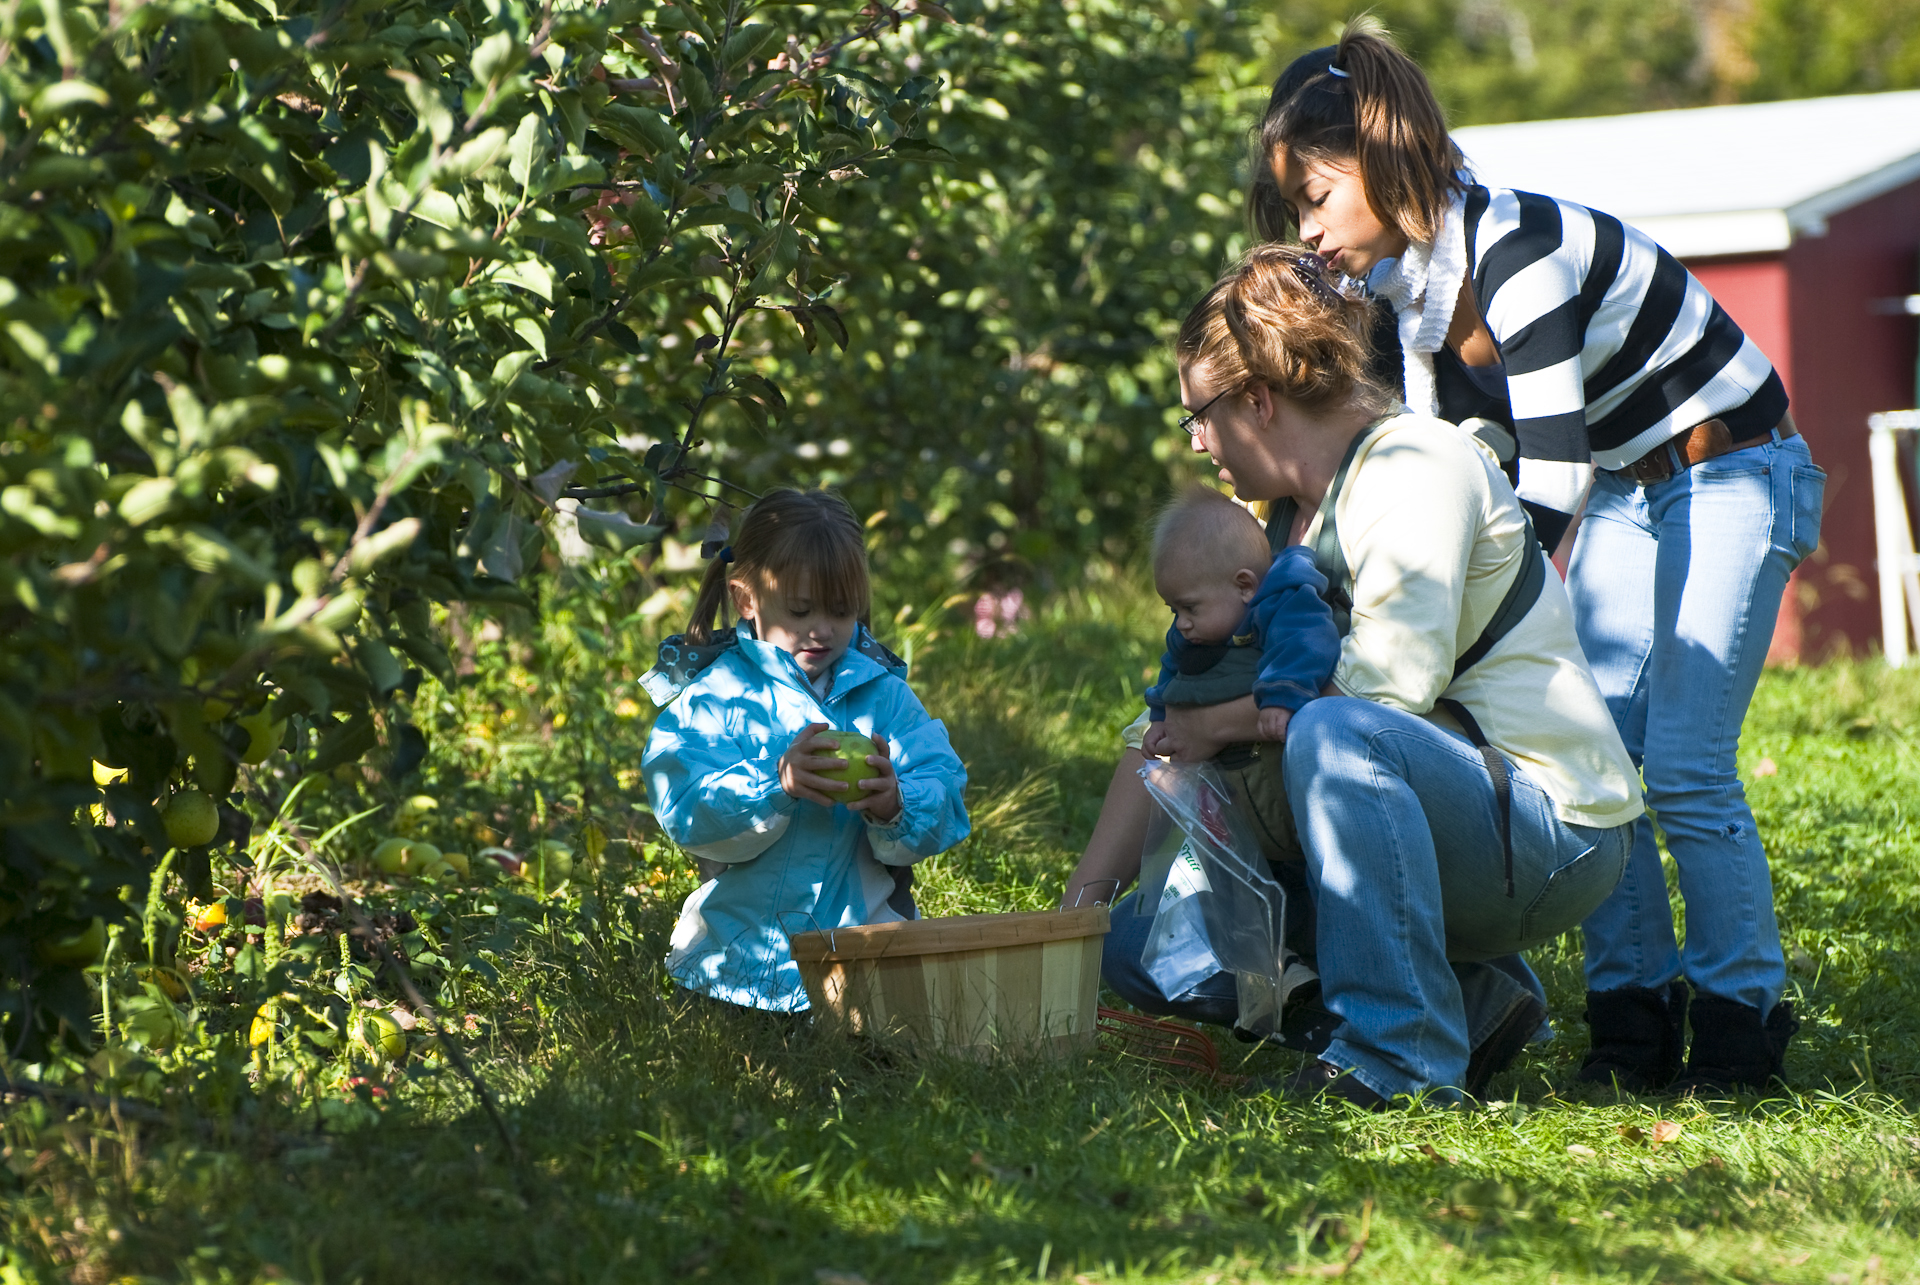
(421, 857)
(411, 815)
(384, 1035)
(191, 819)
(214, 916)
(551, 857)
(168, 980)
(398, 854)
(854, 748)
(104, 776)
(461, 865)
(263, 1022)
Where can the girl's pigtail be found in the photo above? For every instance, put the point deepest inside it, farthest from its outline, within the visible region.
(706, 606)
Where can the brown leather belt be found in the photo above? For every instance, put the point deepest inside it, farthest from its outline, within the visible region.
(1701, 442)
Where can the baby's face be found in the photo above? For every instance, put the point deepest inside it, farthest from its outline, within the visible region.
(1206, 609)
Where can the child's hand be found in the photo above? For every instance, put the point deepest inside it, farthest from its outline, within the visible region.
(1273, 723)
(881, 806)
(1151, 742)
(808, 756)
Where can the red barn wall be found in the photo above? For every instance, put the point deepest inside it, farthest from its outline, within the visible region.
(1848, 361)
(1754, 292)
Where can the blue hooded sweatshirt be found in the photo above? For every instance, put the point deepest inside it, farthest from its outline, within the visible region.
(712, 767)
(1283, 652)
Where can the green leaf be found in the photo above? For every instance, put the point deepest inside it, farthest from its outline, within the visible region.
(382, 544)
(377, 661)
(534, 333)
(63, 98)
(747, 43)
(149, 498)
(615, 530)
(638, 129)
(529, 274)
(529, 149)
(345, 743)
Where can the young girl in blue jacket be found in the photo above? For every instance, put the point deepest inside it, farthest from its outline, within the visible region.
(734, 764)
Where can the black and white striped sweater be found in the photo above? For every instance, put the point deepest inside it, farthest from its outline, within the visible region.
(1610, 345)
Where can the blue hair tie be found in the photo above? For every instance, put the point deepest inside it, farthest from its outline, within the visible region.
(726, 554)
(1335, 71)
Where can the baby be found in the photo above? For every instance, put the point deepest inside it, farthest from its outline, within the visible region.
(1244, 620)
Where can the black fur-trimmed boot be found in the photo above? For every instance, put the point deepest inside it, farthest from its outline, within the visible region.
(1636, 1035)
(1733, 1050)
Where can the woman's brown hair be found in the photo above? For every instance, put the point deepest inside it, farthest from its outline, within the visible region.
(786, 535)
(1379, 116)
(1273, 319)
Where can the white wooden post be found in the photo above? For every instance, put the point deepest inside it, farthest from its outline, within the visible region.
(1893, 538)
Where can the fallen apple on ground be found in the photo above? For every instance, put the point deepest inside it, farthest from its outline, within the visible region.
(263, 1022)
(400, 855)
(384, 1036)
(500, 859)
(550, 858)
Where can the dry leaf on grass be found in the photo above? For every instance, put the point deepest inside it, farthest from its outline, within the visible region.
(1667, 1131)
(1580, 1152)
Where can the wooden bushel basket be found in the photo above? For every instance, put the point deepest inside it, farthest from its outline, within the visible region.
(970, 984)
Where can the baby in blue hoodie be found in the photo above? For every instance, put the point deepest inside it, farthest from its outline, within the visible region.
(1244, 620)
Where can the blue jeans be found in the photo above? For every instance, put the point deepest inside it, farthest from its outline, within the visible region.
(1675, 587)
(1400, 824)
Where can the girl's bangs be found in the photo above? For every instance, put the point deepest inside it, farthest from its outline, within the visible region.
(834, 565)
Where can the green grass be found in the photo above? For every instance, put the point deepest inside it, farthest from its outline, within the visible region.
(666, 1142)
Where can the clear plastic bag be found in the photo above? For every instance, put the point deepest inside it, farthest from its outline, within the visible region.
(1216, 906)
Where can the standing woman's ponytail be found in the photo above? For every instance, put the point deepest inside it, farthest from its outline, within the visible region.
(1364, 103)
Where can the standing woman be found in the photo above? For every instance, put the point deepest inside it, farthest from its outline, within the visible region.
(1594, 349)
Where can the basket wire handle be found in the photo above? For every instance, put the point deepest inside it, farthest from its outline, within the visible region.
(780, 917)
(1080, 897)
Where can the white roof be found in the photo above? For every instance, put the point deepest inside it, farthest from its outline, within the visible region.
(1713, 180)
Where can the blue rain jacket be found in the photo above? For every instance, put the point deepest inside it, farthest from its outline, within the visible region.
(712, 767)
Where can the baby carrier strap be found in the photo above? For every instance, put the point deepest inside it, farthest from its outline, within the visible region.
(1514, 606)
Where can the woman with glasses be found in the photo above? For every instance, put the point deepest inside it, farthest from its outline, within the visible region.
(1579, 342)
(1460, 792)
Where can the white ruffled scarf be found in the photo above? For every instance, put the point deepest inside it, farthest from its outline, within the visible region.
(1423, 285)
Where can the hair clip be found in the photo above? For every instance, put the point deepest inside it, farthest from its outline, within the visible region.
(1310, 269)
(1335, 71)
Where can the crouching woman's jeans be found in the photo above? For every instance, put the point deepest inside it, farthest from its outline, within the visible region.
(1402, 833)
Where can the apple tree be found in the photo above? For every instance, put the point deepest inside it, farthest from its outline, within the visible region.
(317, 313)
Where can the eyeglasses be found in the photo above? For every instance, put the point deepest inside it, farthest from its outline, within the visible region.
(1311, 269)
(1192, 423)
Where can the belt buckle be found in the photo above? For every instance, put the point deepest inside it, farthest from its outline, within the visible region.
(1652, 468)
